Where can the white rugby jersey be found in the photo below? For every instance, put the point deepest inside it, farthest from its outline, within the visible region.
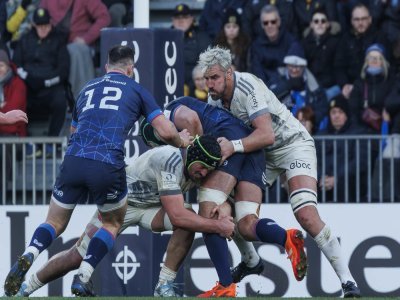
(251, 98)
(155, 173)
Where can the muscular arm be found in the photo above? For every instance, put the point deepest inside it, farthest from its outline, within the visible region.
(185, 117)
(185, 219)
(168, 133)
(262, 136)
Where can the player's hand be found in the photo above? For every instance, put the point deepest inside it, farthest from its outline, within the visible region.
(226, 148)
(186, 138)
(226, 227)
(14, 116)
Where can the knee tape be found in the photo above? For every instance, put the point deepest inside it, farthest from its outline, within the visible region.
(244, 208)
(301, 198)
(211, 195)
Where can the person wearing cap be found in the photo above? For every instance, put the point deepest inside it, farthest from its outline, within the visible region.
(349, 57)
(13, 118)
(194, 41)
(332, 175)
(232, 37)
(373, 87)
(157, 181)
(297, 87)
(269, 49)
(43, 63)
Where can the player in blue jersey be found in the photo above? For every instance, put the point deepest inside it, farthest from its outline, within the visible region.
(245, 174)
(105, 111)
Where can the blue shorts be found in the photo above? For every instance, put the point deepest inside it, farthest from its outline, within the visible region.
(81, 179)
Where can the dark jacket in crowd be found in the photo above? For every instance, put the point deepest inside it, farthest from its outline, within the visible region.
(392, 105)
(313, 94)
(42, 59)
(251, 19)
(387, 17)
(350, 54)
(195, 41)
(320, 53)
(213, 13)
(267, 56)
(345, 154)
(375, 89)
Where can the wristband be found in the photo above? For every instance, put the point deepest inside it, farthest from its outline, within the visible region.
(238, 146)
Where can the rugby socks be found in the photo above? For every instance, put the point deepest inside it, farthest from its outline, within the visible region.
(329, 245)
(217, 248)
(249, 254)
(41, 239)
(32, 285)
(166, 275)
(99, 245)
(268, 231)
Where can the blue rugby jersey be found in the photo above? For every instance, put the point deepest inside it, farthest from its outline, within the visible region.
(106, 109)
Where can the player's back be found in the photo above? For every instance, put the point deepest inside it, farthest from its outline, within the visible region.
(106, 109)
(213, 119)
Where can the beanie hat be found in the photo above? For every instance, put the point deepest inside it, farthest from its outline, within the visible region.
(4, 57)
(376, 47)
(232, 16)
(295, 56)
(182, 10)
(41, 16)
(340, 102)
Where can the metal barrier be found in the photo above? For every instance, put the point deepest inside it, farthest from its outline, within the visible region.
(374, 175)
(29, 168)
(368, 176)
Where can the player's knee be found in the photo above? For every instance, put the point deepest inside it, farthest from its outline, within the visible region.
(302, 198)
(211, 195)
(246, 227)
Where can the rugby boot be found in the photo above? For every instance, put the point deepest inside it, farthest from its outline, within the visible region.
(220, 291)
(166, 289)
(295, 250)
(17, 273)
(82, 289)
(242, 270)
(350, 290)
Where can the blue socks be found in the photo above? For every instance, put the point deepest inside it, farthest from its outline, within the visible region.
(99, 245)
(219, 254)
(268, 231)
(43, 237)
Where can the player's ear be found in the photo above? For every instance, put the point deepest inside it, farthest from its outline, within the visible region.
(229, 72)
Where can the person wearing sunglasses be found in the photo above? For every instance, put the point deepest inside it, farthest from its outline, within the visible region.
(319, 46)
(268, 50)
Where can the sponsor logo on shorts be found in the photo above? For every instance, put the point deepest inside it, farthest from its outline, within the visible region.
(58, 192)
(298, 164)
(112, 196)
(264, 178)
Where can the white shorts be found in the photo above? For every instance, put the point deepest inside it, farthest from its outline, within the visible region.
(298, 158)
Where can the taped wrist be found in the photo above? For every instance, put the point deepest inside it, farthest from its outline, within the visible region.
(238, 146)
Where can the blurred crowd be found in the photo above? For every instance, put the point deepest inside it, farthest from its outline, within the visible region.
(335, 64)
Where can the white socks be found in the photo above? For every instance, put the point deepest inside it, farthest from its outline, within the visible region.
(32, 284)
(330, 246)
(166, 274)
(33, 250)
(247, 250)
(86, 270)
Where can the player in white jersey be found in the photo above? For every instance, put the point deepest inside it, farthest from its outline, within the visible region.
(289, 149)
(156, 182)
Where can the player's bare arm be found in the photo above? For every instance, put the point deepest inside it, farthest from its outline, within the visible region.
(185, 117)
(168, 133)
(185, 219)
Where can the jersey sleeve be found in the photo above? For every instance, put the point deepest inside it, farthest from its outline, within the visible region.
(257, 93)
(150, 107)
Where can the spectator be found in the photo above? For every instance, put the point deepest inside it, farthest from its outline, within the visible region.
(118, 10)
(213, 14)
(386, 14)
(306, 117)
(304, 10)
(19, 18)
(268, 50)
(4, 35)
(81, 21)
(320, 47)
(200, 89)
(251, 16)
(297, 87)
(232, 37)
(332, 173)
(12, 95)
(350, 55)
(194, 41)
(43, 62)
(372, 89)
